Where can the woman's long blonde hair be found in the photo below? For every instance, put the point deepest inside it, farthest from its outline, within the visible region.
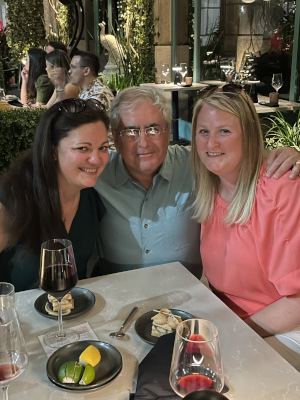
(206, 184)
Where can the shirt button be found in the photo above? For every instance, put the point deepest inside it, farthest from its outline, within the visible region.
(147, 251)
(146, 226)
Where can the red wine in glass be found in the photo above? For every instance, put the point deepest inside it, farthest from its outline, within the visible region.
(8, 372)
(58, 275)
(58, 279)
(13, 355)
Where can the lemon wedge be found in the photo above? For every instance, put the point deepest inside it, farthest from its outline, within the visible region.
(91, 355)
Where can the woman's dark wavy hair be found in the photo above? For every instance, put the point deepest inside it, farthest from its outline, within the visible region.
(29, 189)
(37, 67)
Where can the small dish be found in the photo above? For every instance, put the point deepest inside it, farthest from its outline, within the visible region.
(84, 300)
(10, 97)
(143, 324)
(108, 368)
(205, 395)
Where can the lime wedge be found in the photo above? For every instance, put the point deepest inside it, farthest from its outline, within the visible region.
(88, 375)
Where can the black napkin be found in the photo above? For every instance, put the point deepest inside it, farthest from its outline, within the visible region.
(153, 377)
(15, 103)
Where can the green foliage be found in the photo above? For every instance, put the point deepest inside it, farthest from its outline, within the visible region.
(136, 34)
(118, 82)
(25, 28)
(63, 30)
(281, 133)
(17, 130)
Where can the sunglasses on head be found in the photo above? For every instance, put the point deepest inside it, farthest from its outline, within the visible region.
(75, 106)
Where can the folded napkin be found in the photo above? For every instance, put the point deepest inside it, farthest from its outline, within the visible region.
(153, 377)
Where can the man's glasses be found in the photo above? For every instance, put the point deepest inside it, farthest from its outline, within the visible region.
(75, 106)
(77, 66)
(132, 134)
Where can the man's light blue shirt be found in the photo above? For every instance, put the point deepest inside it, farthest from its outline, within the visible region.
(149, 227)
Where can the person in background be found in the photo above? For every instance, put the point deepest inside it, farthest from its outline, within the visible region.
(9, 78)
(52, 45)
(250, 238)
(36, 88)
(57, 67)
(84, 72)
(48, 192)
(146, 188)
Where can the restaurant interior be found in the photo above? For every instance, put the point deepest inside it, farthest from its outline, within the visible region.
(178, 47)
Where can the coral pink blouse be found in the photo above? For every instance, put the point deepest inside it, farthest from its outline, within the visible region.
(250, 266)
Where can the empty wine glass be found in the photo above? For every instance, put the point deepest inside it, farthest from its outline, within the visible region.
(58, 275)
(7, 295)
(13, 355)
(2, 94)
(277, 81)
(196, 362)
(165, 69)
(183, 70)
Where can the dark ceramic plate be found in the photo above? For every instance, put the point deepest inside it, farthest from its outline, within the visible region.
(143, 324)
(109, 367)
(84, 300)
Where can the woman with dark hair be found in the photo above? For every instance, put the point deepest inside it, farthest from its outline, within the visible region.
(57, 67)
(48, 192)
(36, 88)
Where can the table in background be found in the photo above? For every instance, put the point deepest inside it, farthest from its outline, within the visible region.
(253, 370)
(283, 105)
(175, 89)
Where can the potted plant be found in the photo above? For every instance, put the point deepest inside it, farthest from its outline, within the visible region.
(282, 133)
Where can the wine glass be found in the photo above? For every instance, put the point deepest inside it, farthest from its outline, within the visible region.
(183, 70)
(2, 94)
(277, 81)
(13, 355)
(58, 275)
(165, 69)
(196, 362)
(7, 295)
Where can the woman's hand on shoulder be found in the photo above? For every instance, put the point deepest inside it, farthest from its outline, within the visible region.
(282, 160)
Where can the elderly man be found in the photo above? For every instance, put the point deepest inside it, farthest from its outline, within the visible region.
(147, 188)
(84, 71)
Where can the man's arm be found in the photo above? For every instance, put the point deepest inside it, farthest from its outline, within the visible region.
(281, 160)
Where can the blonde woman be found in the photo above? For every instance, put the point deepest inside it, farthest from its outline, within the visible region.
(250, 238)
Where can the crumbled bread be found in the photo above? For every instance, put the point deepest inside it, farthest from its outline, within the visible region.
(67, 304)
(164, 322)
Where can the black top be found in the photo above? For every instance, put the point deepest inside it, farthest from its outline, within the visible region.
(21, 268)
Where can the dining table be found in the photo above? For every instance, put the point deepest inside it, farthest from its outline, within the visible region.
(253, 370)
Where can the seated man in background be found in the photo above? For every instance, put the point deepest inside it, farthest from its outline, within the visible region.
(84, 71)
(146, 188)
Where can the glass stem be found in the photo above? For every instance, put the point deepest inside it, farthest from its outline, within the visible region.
(60, 323)
(5, 392)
